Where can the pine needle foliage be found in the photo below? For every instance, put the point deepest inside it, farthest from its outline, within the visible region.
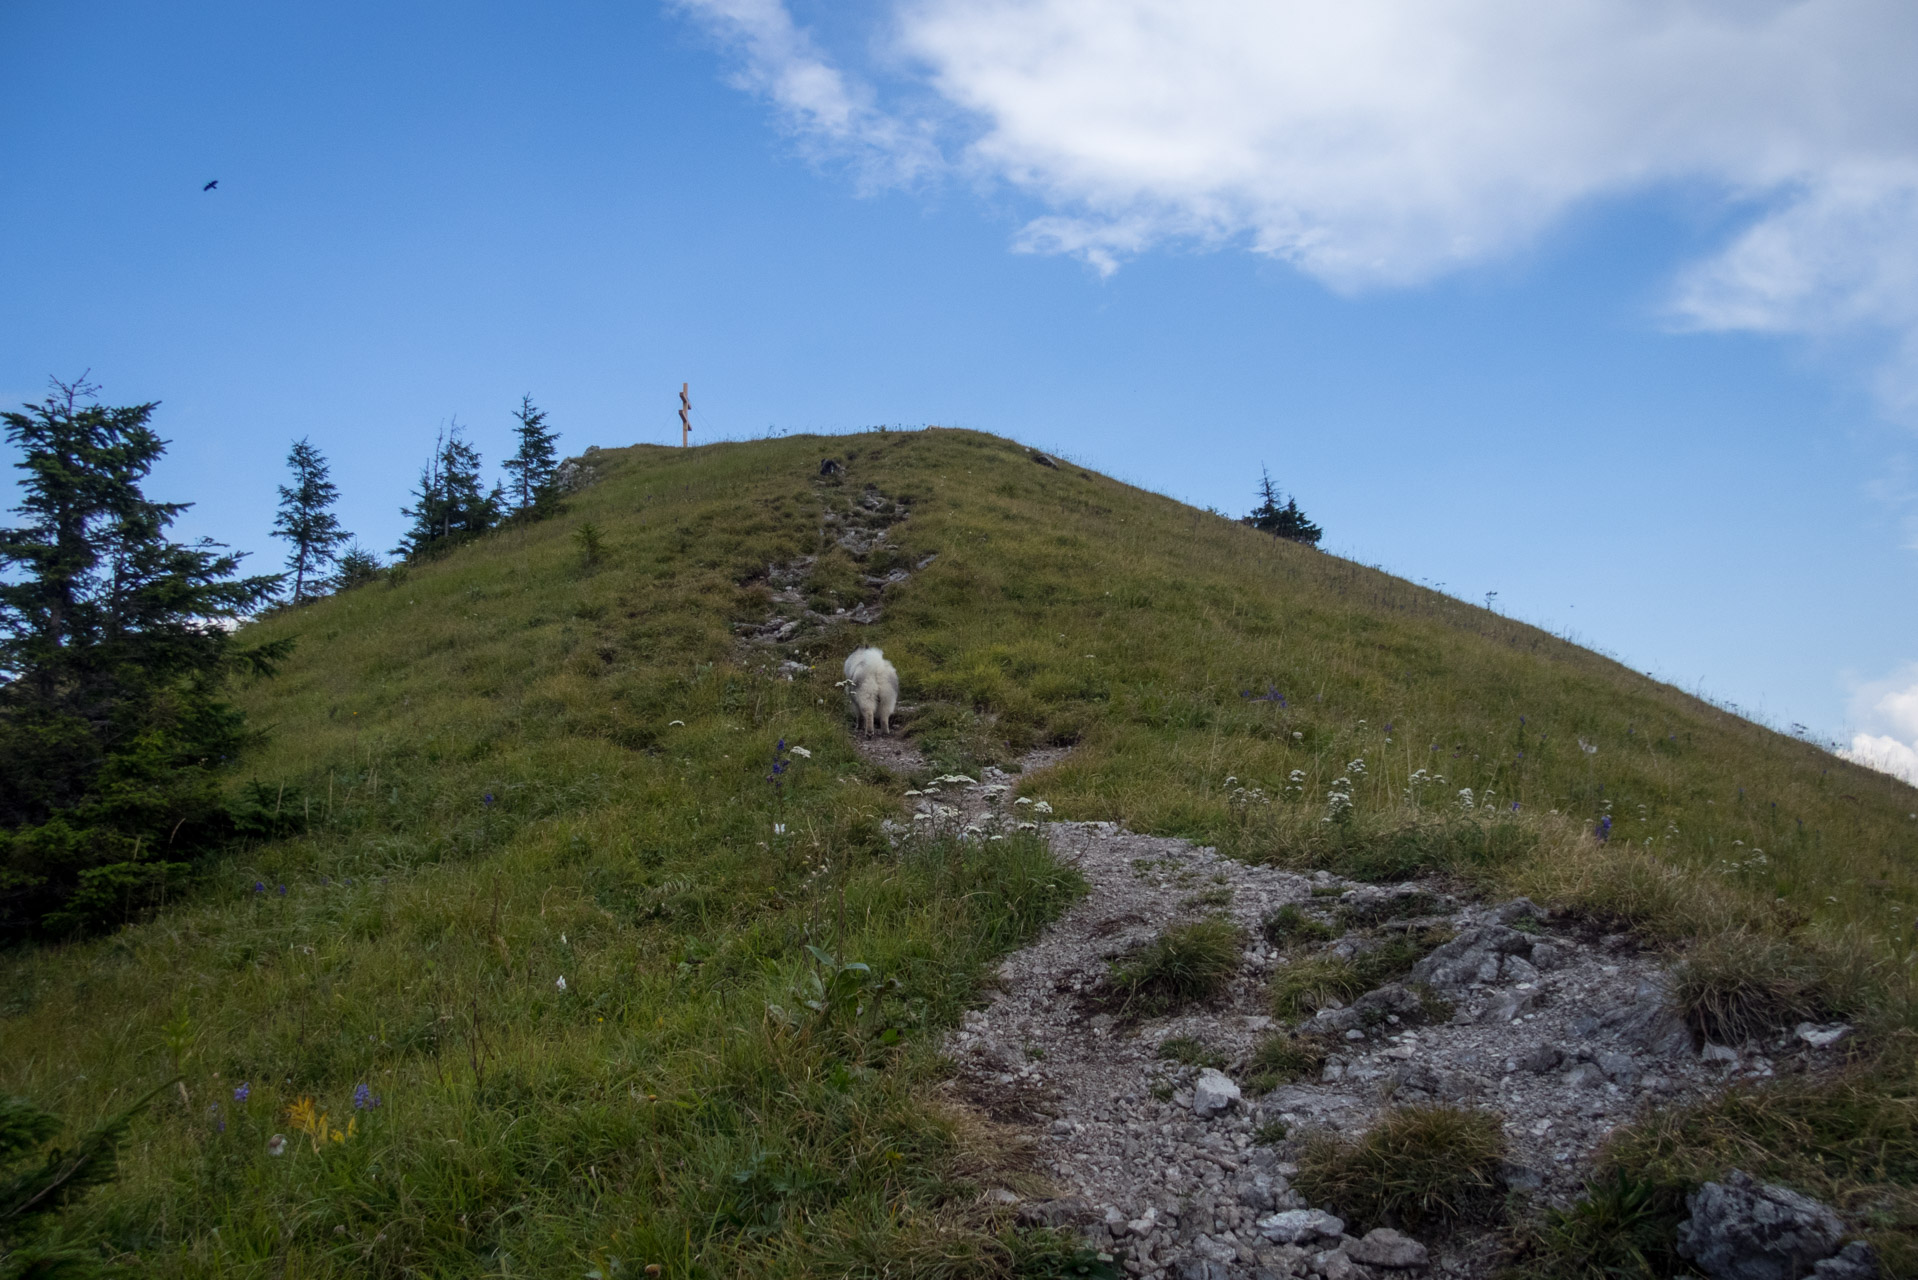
(113, 657)
(1285, 521)
(450, 505)
(33, 1194)
(534, 464)
(307, 522)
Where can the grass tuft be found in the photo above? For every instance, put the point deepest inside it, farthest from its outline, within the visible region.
(1186, 964)
(1191, 1052)
(1417, 1169)
(1312, 983)
(1624, 1227)
(1398, 907)
(1289, 925)
(1739, 985)
(1282, 1058)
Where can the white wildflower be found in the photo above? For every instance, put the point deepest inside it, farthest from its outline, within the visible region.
(561, 984)
(801, 751)
(1465, 798)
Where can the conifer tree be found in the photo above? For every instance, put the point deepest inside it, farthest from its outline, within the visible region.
(449, 506)
(1286, 521)
(306, 521)
(532, 468)
(357, 566)
(113, 646)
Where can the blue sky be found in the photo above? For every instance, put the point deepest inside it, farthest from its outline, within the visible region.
(1655, 394)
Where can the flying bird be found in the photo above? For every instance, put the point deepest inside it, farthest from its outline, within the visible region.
(209, 186)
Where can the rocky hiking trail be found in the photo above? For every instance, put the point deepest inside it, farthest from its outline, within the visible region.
(861, 525)
(1160, 1148)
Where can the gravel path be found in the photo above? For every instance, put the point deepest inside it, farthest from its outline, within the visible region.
(1562, 1033)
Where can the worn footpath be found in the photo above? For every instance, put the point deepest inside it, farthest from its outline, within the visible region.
(1158, 1146)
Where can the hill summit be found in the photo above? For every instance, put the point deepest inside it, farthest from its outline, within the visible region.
(595, 943)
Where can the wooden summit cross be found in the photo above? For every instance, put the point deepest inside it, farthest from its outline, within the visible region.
(685, 409)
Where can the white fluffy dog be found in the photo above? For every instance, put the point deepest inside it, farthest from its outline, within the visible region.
(873, 687)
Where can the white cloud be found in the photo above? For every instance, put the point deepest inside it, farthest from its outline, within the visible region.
(816, 100)
(1377, 143)
(1890, 706)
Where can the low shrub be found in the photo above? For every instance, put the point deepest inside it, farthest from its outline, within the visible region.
(1185, 964)
(1417, 1169)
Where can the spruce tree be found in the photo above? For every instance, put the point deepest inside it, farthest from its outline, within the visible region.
(1286, 521)
(114, 641)
(449, 506)
(306, 520)
(532, 468)
(357, 567)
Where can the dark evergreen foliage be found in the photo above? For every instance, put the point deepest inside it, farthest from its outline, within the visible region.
(306, 521)
(113, 649)
(357, 567)
(32, 1194)
(1286, 521)
(532, 468)
(449, 506)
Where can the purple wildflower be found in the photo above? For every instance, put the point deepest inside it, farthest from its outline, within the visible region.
(487, 799)
(1604, 828)
(259, 886)
(1514, 806)
(363, 1098)
(240, 1094)
(282, 891)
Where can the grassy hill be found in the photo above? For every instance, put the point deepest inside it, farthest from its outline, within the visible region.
(513, 766)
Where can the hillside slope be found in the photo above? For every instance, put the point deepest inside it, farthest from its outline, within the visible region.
(511, 766)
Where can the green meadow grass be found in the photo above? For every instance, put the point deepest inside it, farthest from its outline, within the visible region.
(680, 1103)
